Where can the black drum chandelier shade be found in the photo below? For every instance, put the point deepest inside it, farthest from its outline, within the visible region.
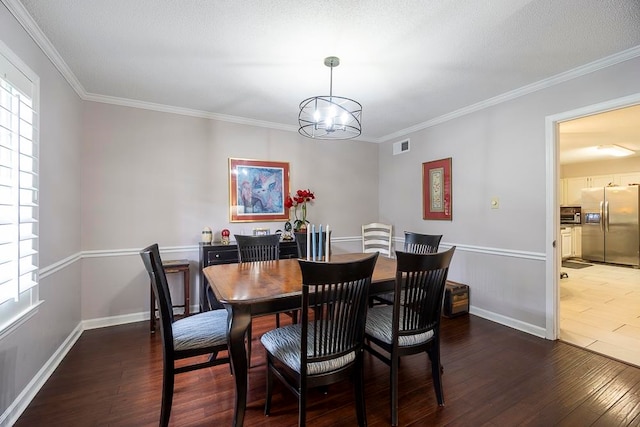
(330, 117)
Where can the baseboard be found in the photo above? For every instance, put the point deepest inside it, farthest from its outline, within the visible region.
(508, 321)
(13, 412)
(104, 322)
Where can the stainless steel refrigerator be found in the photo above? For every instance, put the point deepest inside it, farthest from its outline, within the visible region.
(611, 225)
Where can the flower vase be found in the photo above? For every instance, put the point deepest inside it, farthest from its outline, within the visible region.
(304, 222)
(301, 224)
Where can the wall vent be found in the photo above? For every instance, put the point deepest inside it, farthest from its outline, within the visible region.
(400, 147)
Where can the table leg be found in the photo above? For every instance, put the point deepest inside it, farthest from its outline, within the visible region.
(239, 321)
(152, 309)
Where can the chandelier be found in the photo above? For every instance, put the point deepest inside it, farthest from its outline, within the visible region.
(330, 117)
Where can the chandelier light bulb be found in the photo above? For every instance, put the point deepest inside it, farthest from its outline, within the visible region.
(328, 122)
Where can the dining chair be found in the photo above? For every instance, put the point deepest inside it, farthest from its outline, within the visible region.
(259, 248)
(412, 324)
(326, 346)
(417, 243)
(414, 243)
(301, 242)
(376, 237)
(196, 335)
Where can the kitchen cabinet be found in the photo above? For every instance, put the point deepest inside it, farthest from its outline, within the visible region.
(628, 178)
(565, 242)
(562, 192)
(574, 186)
(573, 194)
(571, 241)
(576, 241)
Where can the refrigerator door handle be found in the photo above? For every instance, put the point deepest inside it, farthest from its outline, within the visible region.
(606, 215)
(602, 218)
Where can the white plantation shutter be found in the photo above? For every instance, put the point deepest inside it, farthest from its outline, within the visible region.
(18, 191)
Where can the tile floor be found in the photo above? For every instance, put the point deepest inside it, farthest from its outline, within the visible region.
(600, 310)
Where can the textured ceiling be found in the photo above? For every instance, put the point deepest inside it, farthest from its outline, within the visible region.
(580, 138)
(408, 62)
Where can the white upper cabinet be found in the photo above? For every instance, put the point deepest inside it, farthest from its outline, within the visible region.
(573, 194)
(628, 178)
(601, 180)
(562, 192)
(574, 186)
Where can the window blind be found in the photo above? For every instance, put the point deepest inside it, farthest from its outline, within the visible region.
(18, 189)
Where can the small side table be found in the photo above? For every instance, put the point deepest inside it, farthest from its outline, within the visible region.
(172, 266)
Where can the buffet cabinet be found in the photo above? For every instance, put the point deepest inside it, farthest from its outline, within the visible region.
(217, 253)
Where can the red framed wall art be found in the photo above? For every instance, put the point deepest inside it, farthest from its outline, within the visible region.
(436, 190)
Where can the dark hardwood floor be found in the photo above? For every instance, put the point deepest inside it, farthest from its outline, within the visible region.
(493, 376)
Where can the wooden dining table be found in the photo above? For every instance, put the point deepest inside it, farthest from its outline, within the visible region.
(269, 287)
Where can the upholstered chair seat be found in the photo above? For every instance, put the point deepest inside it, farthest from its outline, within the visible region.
(284, 344)
(200, 330)
(380, 326)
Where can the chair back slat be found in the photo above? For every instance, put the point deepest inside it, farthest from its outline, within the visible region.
(334, 307)
(258, 248)
(421, 243)
(421, 280)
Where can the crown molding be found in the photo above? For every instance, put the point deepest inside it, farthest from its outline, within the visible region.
(599, 64)
(20, 13)
(186, 112)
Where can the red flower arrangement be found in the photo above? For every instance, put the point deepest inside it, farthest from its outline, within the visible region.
(300, 198)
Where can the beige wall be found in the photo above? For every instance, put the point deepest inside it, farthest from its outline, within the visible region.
(151, 176)
(158, 177)
(499, 151)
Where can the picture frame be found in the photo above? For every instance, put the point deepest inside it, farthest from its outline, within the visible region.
(437, 197)
(257, 190)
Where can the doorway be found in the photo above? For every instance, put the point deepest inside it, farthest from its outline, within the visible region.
(570, 299)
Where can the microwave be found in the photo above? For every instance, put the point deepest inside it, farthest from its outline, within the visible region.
(570, 214)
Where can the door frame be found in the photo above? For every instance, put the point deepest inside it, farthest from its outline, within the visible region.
(553, 255)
